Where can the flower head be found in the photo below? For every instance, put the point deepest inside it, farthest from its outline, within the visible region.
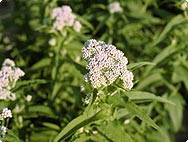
(3, 131)
(77, 26)
(105, 64)
(63, 17)
(52, 42)
(8, 62)
(9, 74)
(184, 5)
(115, 7)
(28, 98)
(6, 113)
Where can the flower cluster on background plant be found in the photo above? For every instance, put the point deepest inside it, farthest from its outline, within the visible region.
(9, 75)
(49, 40)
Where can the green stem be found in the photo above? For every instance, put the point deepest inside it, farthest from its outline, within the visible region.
(55, 68)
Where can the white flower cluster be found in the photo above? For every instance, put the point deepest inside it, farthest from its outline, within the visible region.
(64, 18)
(3, 131)
(6, 113)
(184, 5)
(9, 74)
(105, 64)
(114, 7)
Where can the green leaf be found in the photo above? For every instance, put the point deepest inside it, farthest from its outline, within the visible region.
(101, 24)
(113, 131)
(134, 66)
(177, 20)
(176, 111)
(74, 125)
(56, 88)
(51, 125)
(181, 73)
(121, 112)
(117, 100)
(84, 22)
(79, 67)
(167, 52)
(135, 110)
(149, 80)
(144, 18)
(141, 96)
(41, 109)
(42, 135)
(11, 137)
(26, 83)
(41, 64)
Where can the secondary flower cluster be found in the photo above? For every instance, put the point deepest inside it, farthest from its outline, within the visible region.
(9, 74)
(64, 18)
(6, 113)
(105, 64)
(184, 5)
(114, 7)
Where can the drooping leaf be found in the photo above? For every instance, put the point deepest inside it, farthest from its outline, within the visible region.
(74, 125)
(135, 110)
(167, 52)
(156, 77)
(177, 20)
(134, 66)
(141, 96)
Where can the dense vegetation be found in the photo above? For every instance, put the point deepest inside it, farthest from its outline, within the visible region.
(53, 101)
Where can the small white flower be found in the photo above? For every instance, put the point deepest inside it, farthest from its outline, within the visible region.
(127, 121)
(81, 130)
(86, 78)
(82, 88)
(12, 96)
(86, 100)
(56, 12)
(3, 131)
(184, 5)
(77, 26)
(17, 109)
(6, 40)
(95, 132)
(115, 7)
(28, 98)
(52, 42)
(4, 93)
(63, 17)
(9, 74)
(77, 59)
(8, 62)
(63, 52)
(6, 113)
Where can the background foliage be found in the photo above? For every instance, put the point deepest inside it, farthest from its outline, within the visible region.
(153, 35)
